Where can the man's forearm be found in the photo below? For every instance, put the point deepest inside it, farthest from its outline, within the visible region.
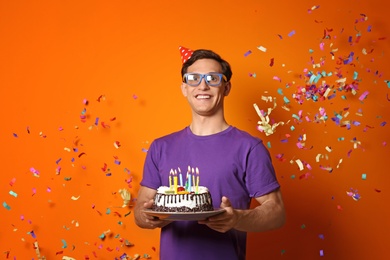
(267, 216)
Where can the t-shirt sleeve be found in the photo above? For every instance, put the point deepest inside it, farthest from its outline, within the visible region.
(151, 177)
(260, 178)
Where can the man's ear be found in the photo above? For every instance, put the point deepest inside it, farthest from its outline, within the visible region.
(228, 87)
(183, 89)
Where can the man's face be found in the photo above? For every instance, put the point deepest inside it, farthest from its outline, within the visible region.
(206, 100)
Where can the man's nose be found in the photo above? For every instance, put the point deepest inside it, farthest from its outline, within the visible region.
(203, 84)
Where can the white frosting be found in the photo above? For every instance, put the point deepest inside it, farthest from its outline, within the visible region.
(182, 200)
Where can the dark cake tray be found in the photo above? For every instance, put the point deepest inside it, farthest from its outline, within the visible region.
(183, 216)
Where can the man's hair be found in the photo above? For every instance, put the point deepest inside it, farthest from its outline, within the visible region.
(208, 54)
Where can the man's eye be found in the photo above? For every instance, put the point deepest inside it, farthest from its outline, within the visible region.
(193, 77)
(212, 78)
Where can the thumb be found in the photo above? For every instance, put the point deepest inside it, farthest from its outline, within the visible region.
(225, 202)
(148, 204)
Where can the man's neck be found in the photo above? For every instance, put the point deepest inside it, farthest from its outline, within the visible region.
(208, 125)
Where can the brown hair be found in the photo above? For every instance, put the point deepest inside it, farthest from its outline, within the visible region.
(208, 54)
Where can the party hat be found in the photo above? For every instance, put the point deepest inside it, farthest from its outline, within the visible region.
(185, 53)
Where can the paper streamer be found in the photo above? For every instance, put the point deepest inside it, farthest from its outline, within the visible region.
(126, 196)
(263, 124)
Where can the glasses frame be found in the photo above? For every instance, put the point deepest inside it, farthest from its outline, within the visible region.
(203, 76)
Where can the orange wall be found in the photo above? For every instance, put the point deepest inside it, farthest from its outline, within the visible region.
(122, 56)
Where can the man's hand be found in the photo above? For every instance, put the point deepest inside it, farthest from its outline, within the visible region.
(225, 221)
(145, 201)
(151, 221)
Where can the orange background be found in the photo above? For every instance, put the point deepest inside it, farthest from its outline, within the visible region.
(122, 56)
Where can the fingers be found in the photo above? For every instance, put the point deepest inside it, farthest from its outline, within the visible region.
(225, 202)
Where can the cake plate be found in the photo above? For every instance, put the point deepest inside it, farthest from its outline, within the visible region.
(183, 216)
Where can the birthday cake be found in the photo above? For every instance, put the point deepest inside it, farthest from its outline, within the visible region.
(167, 201)
(188, 197)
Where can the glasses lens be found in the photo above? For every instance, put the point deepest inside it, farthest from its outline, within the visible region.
(213, 79)
(193, 79)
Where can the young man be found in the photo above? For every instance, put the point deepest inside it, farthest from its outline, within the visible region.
(235, 166)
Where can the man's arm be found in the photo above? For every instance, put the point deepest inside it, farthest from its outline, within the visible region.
(270, 214)
(145, 201)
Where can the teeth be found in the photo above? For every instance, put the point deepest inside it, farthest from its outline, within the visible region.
(203, 96)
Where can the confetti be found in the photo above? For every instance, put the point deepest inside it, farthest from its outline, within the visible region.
(32, 234)
(37, 251)
(313, 8)
(247, 53)
(81, 154)
(101, 98)
(363, 96)
(388, 85)
(5, 205)
(117, 144)
(291, 33)
(340, 161)
(12, 182)
(264, 125)
(354, 194)
(104, 125)
(34, 171)
(12, 193)
(64, 244)
(126, 196)
(75, 198)
(300, 164)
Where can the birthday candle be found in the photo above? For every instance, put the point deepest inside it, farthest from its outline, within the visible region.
(175, 182)
(189, 182)
(193, 178)
(181, 178)
(197, 179)
(187, 176)
(170, 179)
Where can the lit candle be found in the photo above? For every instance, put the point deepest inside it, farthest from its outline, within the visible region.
(181, 178)
(170, 179)
(189, 181)
(175, 182)
(197, 179)
(187, 177)
(193, 179)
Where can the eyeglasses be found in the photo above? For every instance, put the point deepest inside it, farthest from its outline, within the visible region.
(212, 79)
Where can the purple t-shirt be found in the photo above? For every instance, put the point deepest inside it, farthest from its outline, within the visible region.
(231, 163)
